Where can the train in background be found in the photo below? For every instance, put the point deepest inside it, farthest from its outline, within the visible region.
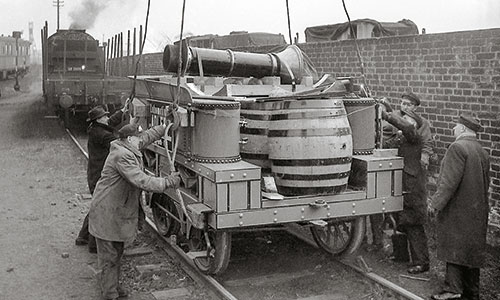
(15, 55)
(74, 74)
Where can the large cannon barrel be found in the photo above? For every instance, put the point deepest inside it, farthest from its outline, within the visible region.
(288, 64)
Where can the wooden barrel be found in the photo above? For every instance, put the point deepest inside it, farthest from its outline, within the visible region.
(310, 146)
(255, 148)
(361, 114)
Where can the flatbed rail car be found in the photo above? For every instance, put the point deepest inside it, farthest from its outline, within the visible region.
(74, 75)
(15, 55)
(259, 162)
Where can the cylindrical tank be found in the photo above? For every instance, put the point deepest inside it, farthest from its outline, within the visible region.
(216, 133)
(310, 146)
(361, 114)
(286, 64)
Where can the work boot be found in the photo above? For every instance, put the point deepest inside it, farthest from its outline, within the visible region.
(122, 293)
(81, 241)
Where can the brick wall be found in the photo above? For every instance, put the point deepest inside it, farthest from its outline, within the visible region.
(451, 72)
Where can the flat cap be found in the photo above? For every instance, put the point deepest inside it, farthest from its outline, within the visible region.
(470, 122)
(412, 97)
(129, 130)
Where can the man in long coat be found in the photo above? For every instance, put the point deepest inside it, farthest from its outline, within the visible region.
(115, 206)
(101, 133)
(461, 201)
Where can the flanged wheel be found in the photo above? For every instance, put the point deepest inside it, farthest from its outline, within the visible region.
(165, 223)
(218, 258)
(340, 237)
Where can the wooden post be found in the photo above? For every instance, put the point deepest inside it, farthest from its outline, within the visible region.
(110, 63)
(134, 58)
(128, 52)
(141, 69)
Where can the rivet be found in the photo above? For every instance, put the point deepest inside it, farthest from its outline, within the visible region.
(241, 216)
(383, 208)
(328, 214)
(275, 220)
(302, 210)
(383, 201)
(232, 175)
(275, 212)
(302, 217)
(380, 165)
(390, 164)
(241, 223)
(353, 212)
(354, 204)
(328, 207)
(244, 175)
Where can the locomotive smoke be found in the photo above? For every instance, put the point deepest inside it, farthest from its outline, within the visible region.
(84, 17)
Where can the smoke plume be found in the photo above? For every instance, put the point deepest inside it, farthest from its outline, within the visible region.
(84, 17)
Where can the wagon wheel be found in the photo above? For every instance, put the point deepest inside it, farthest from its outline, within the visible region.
(218, 259)
(164, 222)
(340, 237)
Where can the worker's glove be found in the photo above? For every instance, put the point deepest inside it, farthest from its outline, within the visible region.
(173, 180)
(424, 161)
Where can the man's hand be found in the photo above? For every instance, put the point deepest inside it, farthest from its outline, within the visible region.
(125, 107)
(173, 180)
(385, 104)
(424, 161)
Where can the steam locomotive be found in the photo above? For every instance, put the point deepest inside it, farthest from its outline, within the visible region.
(289, 149)
(74, 75)
(15, 55)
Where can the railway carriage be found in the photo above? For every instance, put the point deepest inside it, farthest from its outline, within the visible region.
(14, 57)
(257, 157)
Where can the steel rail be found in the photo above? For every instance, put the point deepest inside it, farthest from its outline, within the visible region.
(176, 253)
(367, 273)
(188, 266)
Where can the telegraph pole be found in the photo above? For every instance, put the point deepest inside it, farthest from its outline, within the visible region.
(58, 4)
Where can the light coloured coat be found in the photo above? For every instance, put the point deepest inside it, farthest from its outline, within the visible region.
(115, 206)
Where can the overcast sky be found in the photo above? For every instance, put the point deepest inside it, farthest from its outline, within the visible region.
(104, 18)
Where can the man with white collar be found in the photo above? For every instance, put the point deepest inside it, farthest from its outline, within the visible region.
(461, 203)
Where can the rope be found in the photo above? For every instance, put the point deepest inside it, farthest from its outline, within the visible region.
(289, 28)
(358, 52)
(141, 49)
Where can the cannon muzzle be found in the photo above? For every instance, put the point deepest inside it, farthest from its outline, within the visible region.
(290, 64)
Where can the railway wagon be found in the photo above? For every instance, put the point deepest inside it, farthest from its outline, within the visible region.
(15, 55)
(74, 75)
(260, 157)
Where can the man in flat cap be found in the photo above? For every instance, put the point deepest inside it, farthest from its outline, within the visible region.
(461, 203)
(101, 132)
(404, 126)
(113, 215)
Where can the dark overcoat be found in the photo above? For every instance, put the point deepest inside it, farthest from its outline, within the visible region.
(410, 145)
(115, 204)
(100, 135)
(461, 200)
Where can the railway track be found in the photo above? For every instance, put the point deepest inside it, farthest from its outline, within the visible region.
(235, 285)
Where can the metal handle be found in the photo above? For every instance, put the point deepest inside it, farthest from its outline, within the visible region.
(243, 123)
(243, 141)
